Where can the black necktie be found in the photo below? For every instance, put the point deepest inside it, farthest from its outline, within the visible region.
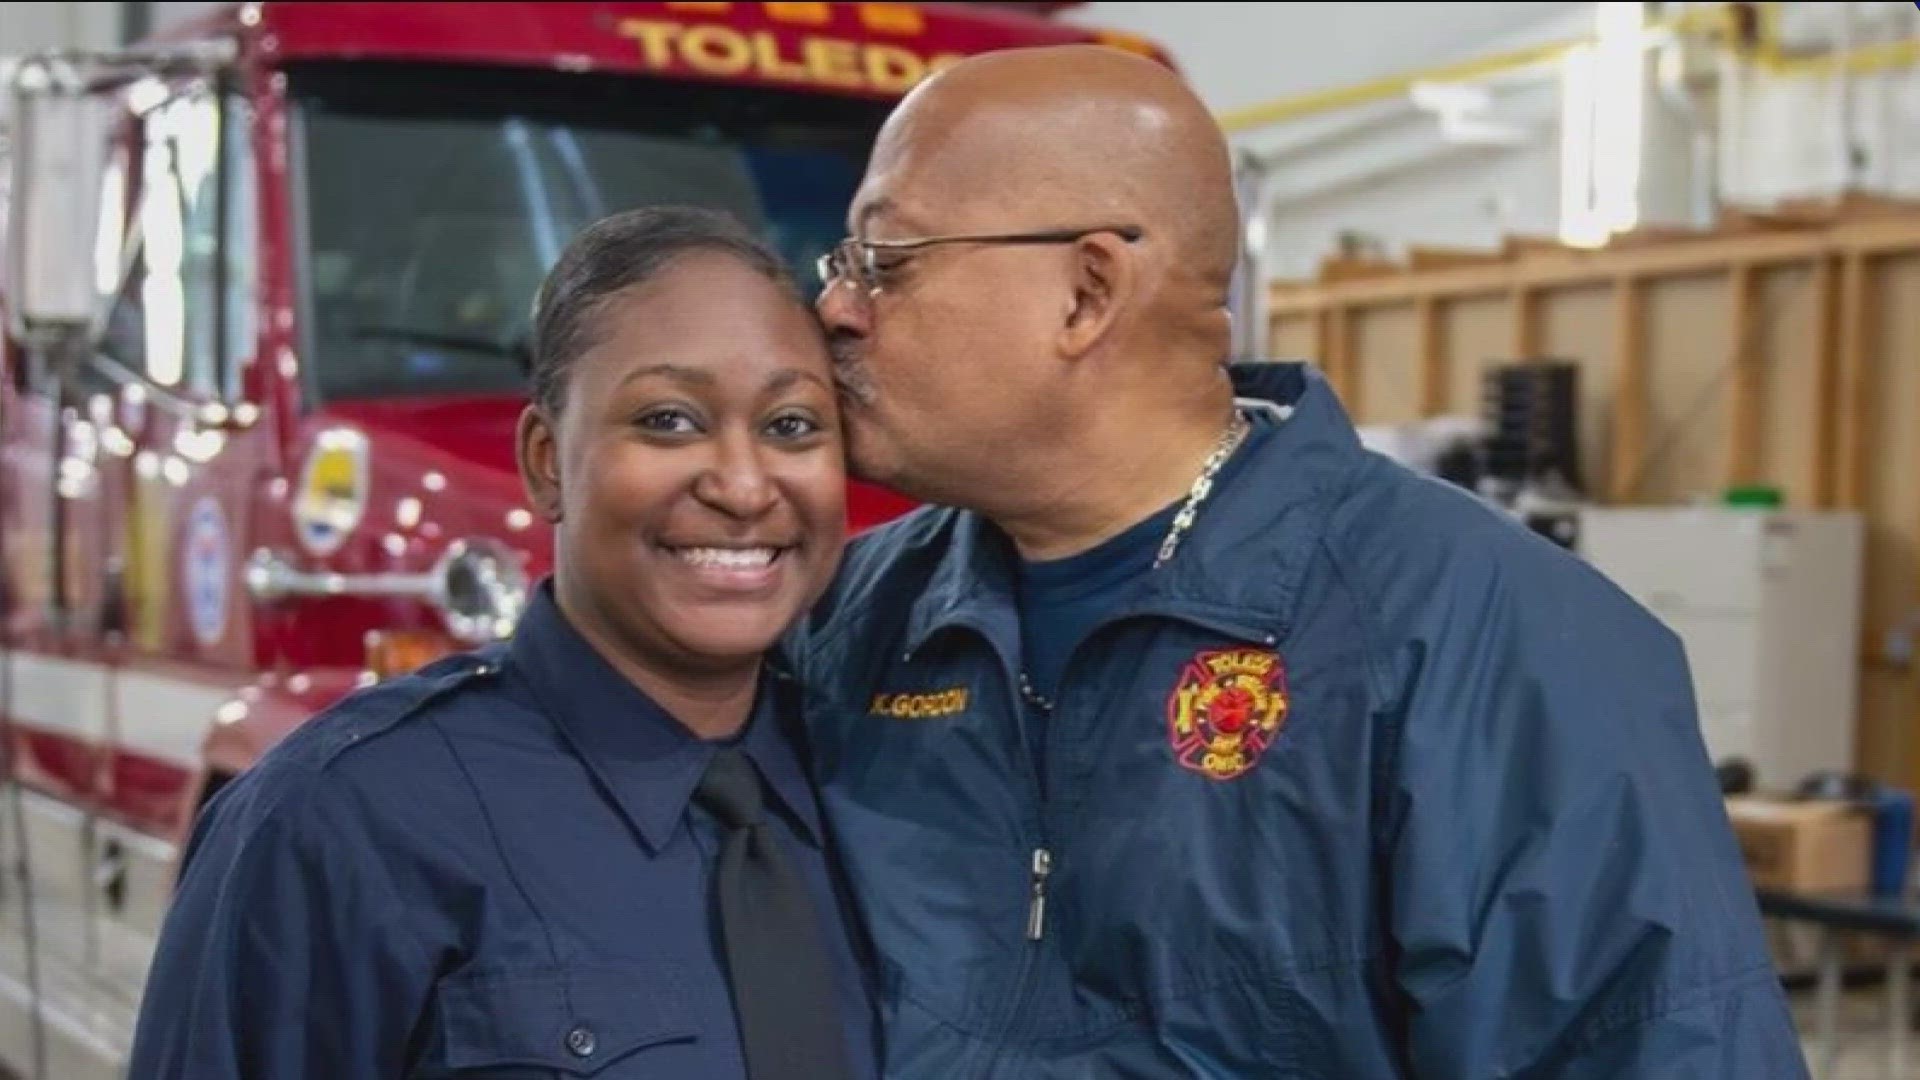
(783, 986)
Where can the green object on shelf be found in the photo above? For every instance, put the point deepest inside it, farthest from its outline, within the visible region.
(1757, 495)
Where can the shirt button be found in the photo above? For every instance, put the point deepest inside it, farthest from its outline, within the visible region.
(580, 1041)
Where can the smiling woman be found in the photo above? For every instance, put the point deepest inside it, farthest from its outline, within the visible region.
(501, 863)
(684, 438)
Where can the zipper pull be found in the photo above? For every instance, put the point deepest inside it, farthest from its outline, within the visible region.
(1037, 910)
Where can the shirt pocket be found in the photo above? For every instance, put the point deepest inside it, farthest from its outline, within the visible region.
(611, 1021)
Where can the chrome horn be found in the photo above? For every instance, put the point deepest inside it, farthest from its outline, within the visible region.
(476, 585)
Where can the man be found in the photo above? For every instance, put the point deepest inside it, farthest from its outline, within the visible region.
(1188, 738)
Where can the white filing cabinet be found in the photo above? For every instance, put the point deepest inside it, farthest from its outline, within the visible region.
(1767, 603)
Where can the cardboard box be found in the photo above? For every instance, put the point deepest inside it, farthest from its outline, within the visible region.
(1803, 845)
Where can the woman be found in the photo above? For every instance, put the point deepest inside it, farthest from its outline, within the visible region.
(590, 850)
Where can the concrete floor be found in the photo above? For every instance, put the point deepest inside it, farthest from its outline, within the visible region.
(1864, 1046)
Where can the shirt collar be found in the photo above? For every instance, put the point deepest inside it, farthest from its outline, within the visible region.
(641, 757)
(1295, 468)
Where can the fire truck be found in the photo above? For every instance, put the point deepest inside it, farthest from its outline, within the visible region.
(266, 314)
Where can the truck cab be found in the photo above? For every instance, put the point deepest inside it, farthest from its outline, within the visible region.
(266, 306)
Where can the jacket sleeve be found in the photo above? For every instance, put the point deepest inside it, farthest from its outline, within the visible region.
(285, 954)
(1568, 901)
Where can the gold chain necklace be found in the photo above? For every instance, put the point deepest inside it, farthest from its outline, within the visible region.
(1202, 486)
(1230, 441)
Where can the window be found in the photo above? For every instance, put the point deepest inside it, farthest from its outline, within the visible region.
(434, 200)
(169, 312)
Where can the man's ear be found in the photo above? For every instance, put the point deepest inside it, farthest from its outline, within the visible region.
(1103, 281)
(538, 453)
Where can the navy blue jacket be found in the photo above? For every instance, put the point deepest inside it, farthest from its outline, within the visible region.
(487, 868)
(1367, 782)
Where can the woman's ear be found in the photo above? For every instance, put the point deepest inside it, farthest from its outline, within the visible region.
(538, 453)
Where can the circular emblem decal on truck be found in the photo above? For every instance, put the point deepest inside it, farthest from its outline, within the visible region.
(206, 568)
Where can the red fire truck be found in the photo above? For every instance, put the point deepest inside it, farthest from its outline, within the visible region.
(266, 309)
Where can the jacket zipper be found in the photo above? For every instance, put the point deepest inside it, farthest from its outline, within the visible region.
(1039, 868)
(1037, 906)
(1041, 857)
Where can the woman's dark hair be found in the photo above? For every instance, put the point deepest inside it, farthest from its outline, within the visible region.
(617, 253)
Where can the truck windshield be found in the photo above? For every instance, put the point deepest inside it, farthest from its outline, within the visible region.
(433, 200)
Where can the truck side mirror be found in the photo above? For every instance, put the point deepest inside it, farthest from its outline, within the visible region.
(60, 145)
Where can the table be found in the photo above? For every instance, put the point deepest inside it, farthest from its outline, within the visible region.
(1838, 911)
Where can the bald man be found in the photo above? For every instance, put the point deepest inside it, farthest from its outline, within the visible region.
(1185, 738)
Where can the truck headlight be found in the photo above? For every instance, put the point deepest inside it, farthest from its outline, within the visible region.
(480, 590)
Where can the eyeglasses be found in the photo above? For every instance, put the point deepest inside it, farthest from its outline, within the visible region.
(858, 260)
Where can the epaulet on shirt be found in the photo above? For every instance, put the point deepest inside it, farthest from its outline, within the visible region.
(377, 709)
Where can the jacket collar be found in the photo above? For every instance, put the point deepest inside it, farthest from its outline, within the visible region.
(642, 758)
(1264, 513)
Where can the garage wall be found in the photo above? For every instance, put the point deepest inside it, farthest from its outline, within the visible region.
(1862, 131)
(27, 27)
(1812, 357)
(169, 13)
(1391, 172)
(1386, 174)
(1244, 54)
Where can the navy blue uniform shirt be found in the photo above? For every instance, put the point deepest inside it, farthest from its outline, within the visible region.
(492, 867)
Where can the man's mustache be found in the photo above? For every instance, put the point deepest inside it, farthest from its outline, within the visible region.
(849, 371)
(843, 347)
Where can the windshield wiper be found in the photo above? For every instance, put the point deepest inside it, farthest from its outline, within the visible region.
(517, 350)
